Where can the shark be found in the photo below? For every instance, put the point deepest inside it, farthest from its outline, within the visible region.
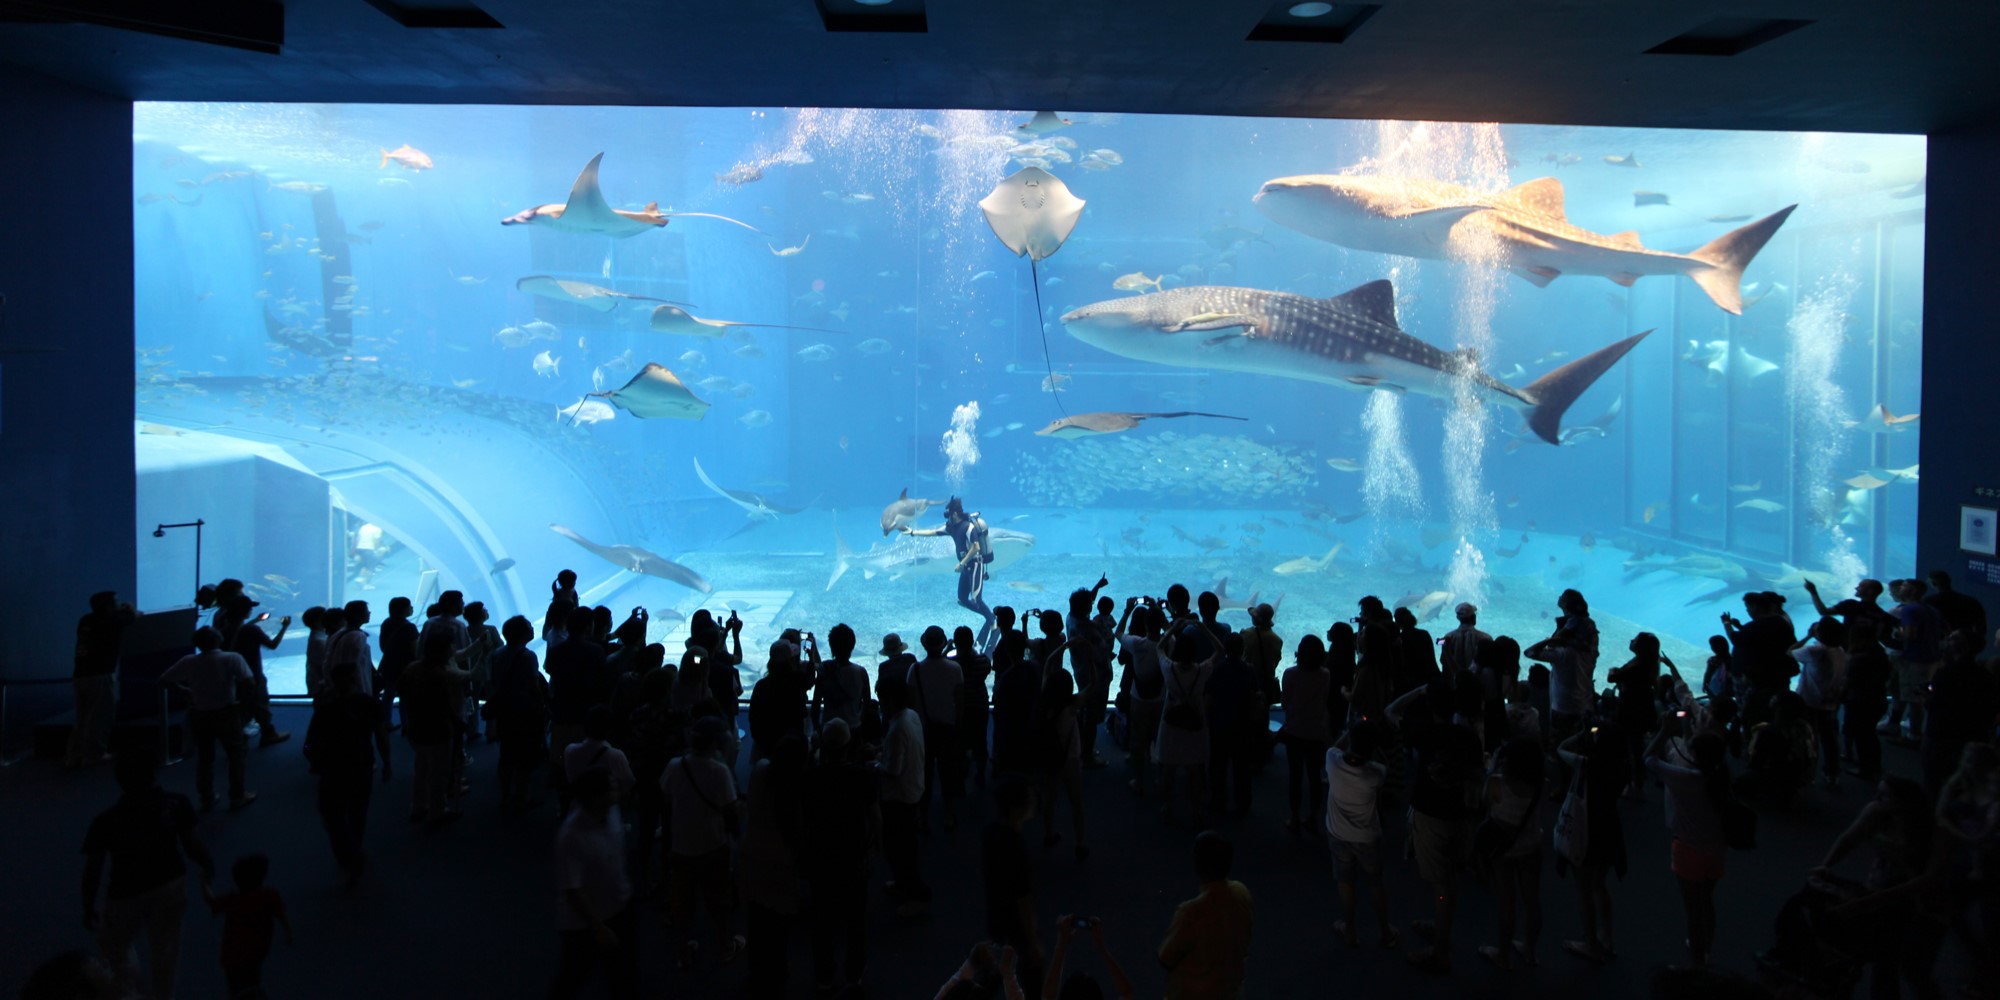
(586, 211)
(1351, 341)
(905, 510)
(1524, 229)
(757, 505)
(637, 560)
(923, 555)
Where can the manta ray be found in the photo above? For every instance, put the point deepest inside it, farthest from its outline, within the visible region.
(1526, 226)
(1088, 424)
(1351, 341)
(758, 506)
(581, 293)
(1033, 212)
(672, 318)
(637, 560)
(654, 392)
(586, 211)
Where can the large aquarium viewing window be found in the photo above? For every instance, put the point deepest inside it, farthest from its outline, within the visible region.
(698, 355)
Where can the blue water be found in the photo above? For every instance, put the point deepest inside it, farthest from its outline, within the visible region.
(264, 229)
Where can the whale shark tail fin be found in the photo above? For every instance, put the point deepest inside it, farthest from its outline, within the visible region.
(1553, 393)
(1727, 255)
(843, 557)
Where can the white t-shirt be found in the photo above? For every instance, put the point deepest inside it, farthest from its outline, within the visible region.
(698, 790)
(1350, 801)
(590, 857)
(903, 758)
(933, 687)
(348, 651)
(1822, 674)
(1144, 656)
(211, 678)
(585, 754)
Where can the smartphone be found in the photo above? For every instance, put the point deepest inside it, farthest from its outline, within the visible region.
(1593, 730)
(1682, 714)
(266, 616)
(1082, 923)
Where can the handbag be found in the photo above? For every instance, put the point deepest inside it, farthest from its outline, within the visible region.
(1572, 835)
(1495, 837)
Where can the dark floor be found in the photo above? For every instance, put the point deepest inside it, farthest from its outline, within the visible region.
(468, 910)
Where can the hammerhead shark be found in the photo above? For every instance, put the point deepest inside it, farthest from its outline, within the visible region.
(1525, 226)
(586, 211)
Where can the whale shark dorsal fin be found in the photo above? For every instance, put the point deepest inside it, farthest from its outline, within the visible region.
(1375, 300)
(1543, 195)
(586, 200)
(652, 206)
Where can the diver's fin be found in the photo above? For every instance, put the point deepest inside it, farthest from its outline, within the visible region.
(1727, 255)
(1553, 393)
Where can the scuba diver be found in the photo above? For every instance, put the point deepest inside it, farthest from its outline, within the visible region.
(968, 533)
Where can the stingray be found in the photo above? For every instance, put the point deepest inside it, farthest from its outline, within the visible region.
(586, 211)
(1033, 213)
(672, 318)
(1088, 424)
(580, 292)
(758, 506)
(637, 560)
(655, 392)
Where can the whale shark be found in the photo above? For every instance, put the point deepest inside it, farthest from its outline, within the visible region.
(1523, 229)
(1351, 341)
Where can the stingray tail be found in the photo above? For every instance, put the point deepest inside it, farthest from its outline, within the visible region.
(1552, 394)
(385, 158)
(1727, 255)
(843, 557)
(1034, 274)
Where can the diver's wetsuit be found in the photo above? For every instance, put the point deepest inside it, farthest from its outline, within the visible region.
(972, 577)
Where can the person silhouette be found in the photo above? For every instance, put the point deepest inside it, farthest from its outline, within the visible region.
(975, 550)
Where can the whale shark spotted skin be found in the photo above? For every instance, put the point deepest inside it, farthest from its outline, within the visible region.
(1524, 229)
(1351, 341)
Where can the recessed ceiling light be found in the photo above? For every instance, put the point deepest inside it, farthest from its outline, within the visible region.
(1298, 9)
(874, 3)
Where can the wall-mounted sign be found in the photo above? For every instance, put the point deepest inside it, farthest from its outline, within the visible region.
(1976, 531)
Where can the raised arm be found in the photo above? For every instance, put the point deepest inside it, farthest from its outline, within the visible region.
(1119, 984)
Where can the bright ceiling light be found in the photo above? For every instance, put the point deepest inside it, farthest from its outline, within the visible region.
(1298, 9)
(885, 3)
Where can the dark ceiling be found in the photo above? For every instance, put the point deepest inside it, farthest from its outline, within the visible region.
(1882, 65)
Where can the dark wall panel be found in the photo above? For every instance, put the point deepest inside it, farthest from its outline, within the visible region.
(1961, 427)
(66, 478)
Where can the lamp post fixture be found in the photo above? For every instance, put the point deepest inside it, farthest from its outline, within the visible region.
(160, 531)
